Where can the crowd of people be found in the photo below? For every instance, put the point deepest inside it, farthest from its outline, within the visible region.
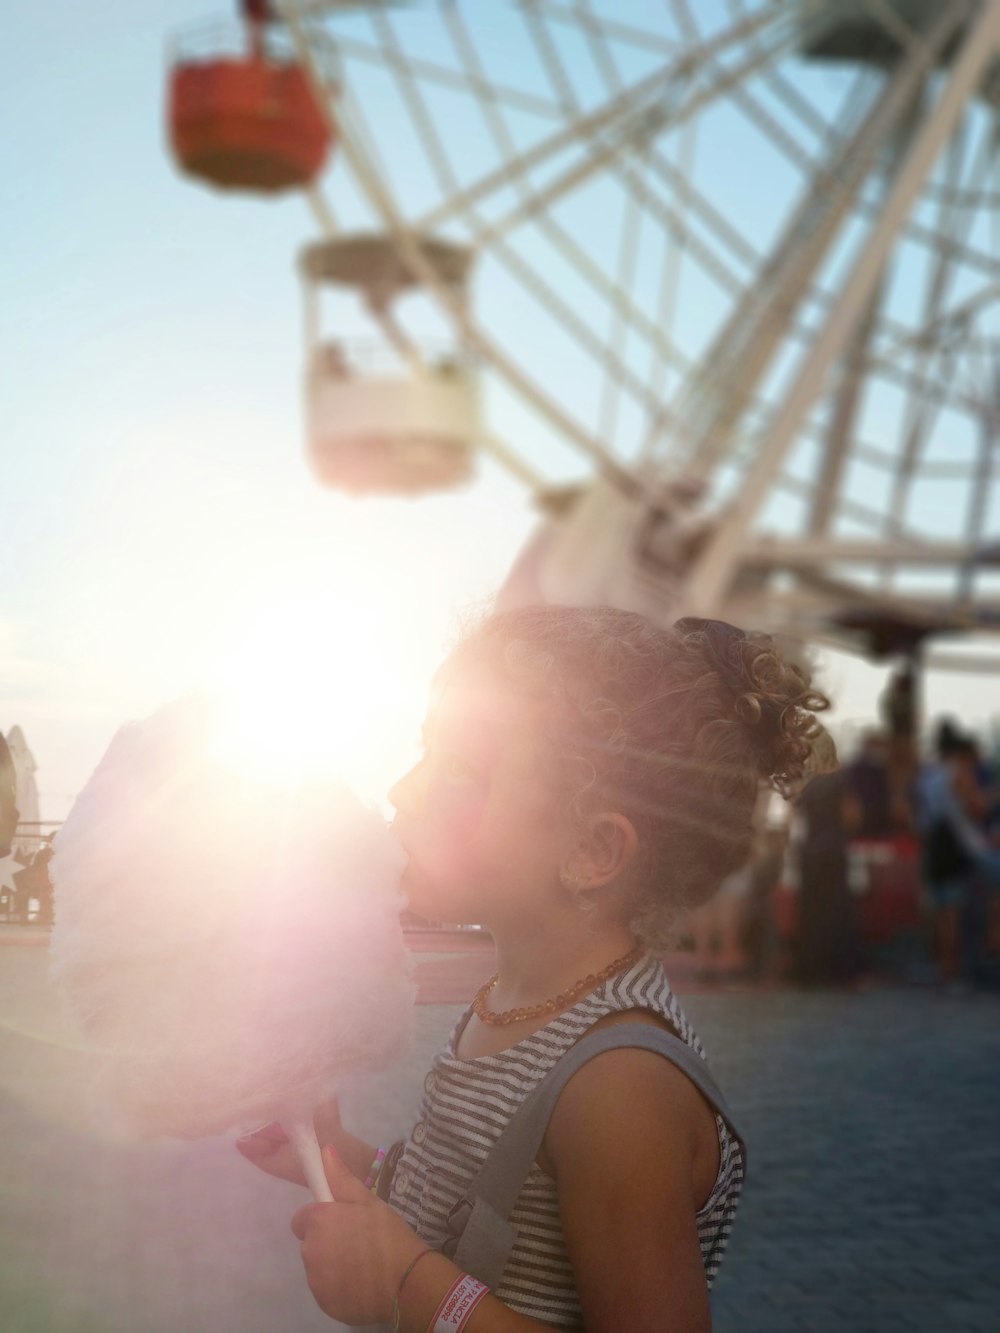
(936, 821)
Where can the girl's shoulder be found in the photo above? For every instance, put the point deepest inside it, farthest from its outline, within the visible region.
(643, 993)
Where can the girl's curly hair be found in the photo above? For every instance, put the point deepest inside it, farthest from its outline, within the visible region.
(674, 727)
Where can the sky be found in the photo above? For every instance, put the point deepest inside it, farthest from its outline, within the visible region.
(160, 528)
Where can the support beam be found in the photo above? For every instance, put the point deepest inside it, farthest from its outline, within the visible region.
(714, 571)
(642, 129)
(966, 663)
(623, 114)
(840, 433)
(715, 400)
(819, 552)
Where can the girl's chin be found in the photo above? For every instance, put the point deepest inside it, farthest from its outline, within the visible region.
(430, 901)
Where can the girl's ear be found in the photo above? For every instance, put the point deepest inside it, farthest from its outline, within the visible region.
(607, 848)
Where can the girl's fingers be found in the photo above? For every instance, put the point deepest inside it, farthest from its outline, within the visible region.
(256, 1149)
(274, 1156)
(305, 1216)
(327, 1121)
(262, 1141)
(344, 1184)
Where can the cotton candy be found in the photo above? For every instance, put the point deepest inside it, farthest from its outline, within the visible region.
(230, 947)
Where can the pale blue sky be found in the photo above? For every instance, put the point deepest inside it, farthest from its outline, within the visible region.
(154, 501)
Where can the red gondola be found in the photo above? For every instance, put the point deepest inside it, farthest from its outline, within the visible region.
(249, 121)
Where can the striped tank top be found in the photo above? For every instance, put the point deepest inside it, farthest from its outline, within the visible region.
(468, 1103)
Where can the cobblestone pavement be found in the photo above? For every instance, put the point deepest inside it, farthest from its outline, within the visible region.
(873, 1201)
(873, 1197)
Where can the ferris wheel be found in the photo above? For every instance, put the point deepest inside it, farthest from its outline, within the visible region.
(719, 280)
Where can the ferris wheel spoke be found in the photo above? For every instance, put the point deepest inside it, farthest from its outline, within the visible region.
(982, 489)
(848, 506)
(626, 315)
(673, 221)
(512, 461)
(941, 390)
(619, 326)
(636, 135)
(562, 239)
(605, 27)
(629, 114)
(743, 349)
(918, 421)
(634, 113)
(957, 317)
(609, 356)
(826, 129)
(623, 305)
(406, 242)
(548, 226)
(414, 102)
(806, 160)
(978, 47)
(843, 419)
(547, 295)
(837, 452)
(576, 255)
(430, 72)
(619, 323)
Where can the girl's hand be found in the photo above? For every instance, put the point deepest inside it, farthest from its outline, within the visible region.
(355, 1250)
(269, 1148)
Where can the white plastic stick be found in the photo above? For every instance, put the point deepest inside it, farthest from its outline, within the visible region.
(303, 1139)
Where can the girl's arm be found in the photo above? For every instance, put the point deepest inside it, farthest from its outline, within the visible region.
(633, 1145)
(627, 1142)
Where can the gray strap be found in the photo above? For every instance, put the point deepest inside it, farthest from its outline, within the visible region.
(488, 1237)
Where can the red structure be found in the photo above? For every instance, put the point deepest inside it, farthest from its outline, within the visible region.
(247, 122)
(887, 886)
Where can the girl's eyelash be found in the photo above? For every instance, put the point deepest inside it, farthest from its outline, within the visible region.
(458, 770)
(449, 762)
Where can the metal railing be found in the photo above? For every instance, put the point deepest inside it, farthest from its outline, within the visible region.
(26, 893)
(220, 39)
(363, 357)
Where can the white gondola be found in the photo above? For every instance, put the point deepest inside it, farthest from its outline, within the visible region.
(375, 426)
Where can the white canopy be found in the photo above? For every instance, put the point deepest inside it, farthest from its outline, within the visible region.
(29, 814)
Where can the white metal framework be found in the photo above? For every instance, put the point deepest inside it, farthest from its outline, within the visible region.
(737, 281)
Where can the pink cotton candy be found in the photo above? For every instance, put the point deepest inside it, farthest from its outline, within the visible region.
(231, 947)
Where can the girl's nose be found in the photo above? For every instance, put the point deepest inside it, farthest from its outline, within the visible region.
(407, 795)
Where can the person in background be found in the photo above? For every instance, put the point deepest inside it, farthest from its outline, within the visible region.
(868, 783)
(957, 854)
(826, 945)
(718, 928)
(760, 933)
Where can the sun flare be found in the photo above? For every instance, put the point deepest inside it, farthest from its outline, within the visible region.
(316, 686)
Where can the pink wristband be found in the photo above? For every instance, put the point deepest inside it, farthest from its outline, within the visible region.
(375, 1170)
(454, 1311)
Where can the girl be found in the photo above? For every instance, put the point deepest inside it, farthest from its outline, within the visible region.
(586, 776)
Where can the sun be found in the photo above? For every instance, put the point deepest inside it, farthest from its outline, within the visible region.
(317, 686)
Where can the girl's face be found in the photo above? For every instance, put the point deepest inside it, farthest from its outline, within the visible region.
(481, 816)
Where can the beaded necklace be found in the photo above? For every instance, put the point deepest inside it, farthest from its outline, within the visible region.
(561, 1001)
